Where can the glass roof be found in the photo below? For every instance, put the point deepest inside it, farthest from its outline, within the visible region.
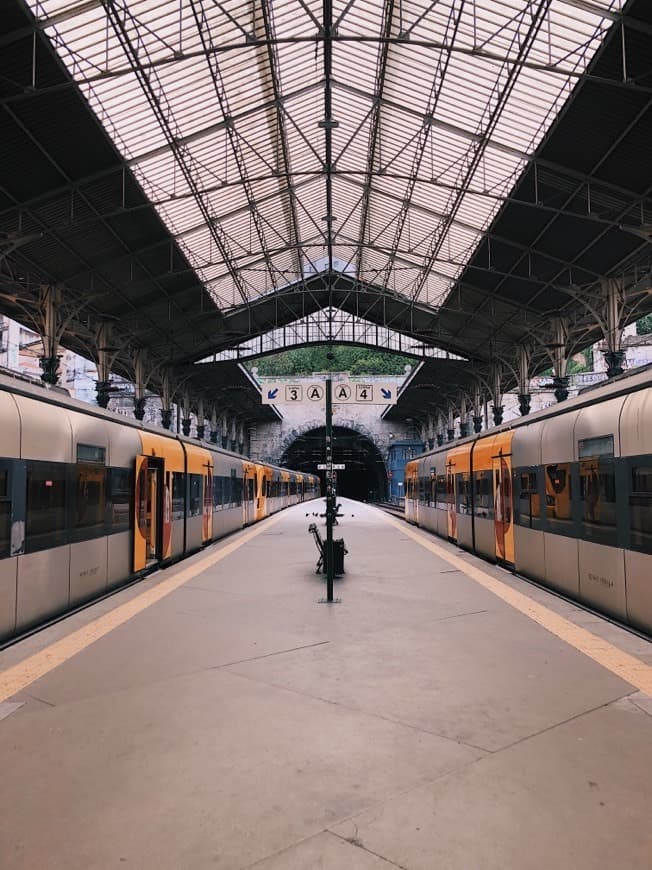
(245, 122)
(332, 326)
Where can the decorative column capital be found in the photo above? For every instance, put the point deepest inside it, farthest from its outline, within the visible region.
(497, 411)
(139, 408)
(614, 360)
(560, 386)
(166, 418)
(524, 401)
(477, 423)
(103, 390)
(50, 369)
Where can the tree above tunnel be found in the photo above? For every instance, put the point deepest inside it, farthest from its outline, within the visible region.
(356, 360)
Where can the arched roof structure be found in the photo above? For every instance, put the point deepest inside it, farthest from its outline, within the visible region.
(464, 172)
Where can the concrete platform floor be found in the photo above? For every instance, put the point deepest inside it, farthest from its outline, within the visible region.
(421, 723)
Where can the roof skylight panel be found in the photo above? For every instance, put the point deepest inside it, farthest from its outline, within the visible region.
(181, 214)
(291, 19)
(309, 202)
(304, 138)
(224, 293)
(353, 114)
(434, 296)
(296, 67)
(361, 18)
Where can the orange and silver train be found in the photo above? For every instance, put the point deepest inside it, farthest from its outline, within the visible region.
(563, 496)
(90, 500)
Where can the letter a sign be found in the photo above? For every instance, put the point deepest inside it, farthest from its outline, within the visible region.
(342, 392)
(315, 392)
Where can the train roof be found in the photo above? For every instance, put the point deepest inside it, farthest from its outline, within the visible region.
(639, 378)
(58, 396)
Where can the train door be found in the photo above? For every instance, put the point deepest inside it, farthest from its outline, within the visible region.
(450, 502)
(249, 496)
(150, 503)
(503, 514)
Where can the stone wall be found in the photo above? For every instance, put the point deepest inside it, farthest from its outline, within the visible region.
(270, 440)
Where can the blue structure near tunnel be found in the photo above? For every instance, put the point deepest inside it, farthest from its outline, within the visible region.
(398, 454)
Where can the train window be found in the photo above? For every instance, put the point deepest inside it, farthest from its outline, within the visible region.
(119, 493)
(5, 513)
(483, 503)
(463, 493)
(527, 503)
(559, 491)
(217, 492)
(640, 508)
(89, 453)
(236, 489)
(440, 493)
(602, 446)
(90, 494)
(5, 527)
(178, 495)
(598, 498)
(227, 493)
(46, 506)
(195, 495)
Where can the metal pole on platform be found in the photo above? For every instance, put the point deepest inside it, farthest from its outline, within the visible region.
(330, 497)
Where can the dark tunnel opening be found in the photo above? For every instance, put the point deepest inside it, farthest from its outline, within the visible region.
(365, 475)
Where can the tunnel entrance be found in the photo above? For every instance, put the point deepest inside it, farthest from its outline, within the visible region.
(365, 476)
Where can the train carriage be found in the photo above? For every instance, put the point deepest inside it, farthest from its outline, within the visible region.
(90, 500)
(563, 496)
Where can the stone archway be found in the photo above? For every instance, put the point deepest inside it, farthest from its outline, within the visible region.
(365, 474)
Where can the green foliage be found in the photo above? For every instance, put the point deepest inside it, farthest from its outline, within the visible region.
(357, 360)
(644, 325)
(573, 367)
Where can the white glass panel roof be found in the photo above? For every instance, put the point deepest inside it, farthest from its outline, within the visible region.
(219, 106)
(330, 325)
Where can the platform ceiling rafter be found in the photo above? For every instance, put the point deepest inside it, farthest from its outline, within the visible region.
(204, 172)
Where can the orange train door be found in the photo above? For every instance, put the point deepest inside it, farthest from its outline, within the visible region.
(150, 520)
(503, 513)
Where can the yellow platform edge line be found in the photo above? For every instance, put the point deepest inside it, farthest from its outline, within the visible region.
(624, 665)
(16, 678)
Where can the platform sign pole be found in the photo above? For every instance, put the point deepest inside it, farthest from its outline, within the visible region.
(330, 497)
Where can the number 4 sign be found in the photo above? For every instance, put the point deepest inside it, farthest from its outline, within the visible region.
(364, 393)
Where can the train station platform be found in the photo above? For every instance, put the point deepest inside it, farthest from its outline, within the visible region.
(444, 714)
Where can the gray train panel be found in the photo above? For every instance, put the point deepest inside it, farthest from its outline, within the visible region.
(38, 418)
(639, 589)
(529, 552)
(485, 538)
(8, 581)
(119, 558)
(562, 563)
(43, 588)
(602, 578)
(88, 570)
